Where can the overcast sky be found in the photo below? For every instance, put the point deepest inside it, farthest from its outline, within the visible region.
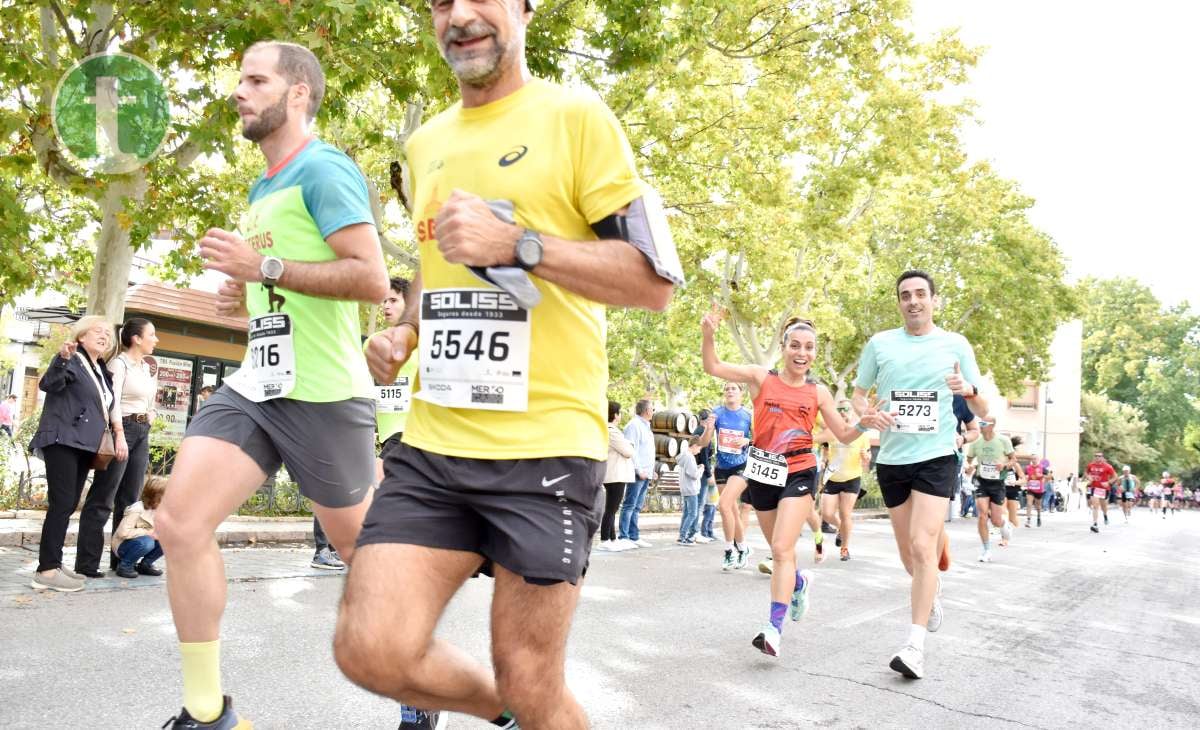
(1092, 108)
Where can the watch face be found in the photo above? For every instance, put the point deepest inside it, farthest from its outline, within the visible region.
(272, 268)
(529, 251)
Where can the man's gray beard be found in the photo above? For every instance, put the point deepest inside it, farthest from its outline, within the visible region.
(478, 72)
(271, 118)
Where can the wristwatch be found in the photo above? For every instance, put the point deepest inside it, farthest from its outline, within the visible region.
(272, 270)
(529, 250)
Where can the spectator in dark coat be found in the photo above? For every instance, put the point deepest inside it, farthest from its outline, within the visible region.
(76, 413)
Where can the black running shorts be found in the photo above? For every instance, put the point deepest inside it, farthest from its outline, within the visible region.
(722, 475)
(390, 443)
(764, 497)
(937, 477)
(848, 487)
(534, 517)
(1013, 493)
(991, 489)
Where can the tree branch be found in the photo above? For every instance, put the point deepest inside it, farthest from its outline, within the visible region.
(53, 7)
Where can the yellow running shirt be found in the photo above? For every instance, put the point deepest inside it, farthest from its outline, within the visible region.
(560, 157)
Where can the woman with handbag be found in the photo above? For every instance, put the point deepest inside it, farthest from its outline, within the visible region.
(118, 486)
(74, 422)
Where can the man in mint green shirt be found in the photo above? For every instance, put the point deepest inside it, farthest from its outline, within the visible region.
(989, 458)
(916, 371)
(303, 257)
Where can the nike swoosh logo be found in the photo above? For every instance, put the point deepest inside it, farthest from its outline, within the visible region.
(551, 482)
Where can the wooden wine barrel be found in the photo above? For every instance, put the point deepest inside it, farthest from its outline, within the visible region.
(693, 423)
(669, 422)
(666, 446)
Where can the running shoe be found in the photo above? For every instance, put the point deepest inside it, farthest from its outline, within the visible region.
(728, 563)
(768, 641)
(413, 719)
(935, 612)
(624, 544)
(944, 558)
(1027, 522)
(845, 553)
(766, 565)
(1106, 520)
(1006, 532)
(819, 552)
(985, 555)
(1095, 528)
(838, 540)
(743, 558)
(681, 541)
(800, 597)
(643, 543)
(909, 661)
(227, 721)
(327, 559)
(703, 540)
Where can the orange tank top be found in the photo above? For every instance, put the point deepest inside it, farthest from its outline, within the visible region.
(784, 416)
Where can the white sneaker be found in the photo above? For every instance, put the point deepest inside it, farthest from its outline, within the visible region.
(909, 661)
(935, 612)
(768, 641)
(1006, 531)
(605, 545)
(985, 556)
(703, 540)
(766, 565)
(643, 543)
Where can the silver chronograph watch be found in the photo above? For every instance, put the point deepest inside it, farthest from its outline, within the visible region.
(271, 269)
(529, 250)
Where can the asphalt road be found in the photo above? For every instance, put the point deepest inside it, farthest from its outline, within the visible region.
(1065, 629)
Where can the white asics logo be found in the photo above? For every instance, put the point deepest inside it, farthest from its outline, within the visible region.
(551, 482)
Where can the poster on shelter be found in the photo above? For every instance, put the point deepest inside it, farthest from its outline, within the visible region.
(174, 395)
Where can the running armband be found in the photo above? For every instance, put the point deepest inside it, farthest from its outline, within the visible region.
(644, 226)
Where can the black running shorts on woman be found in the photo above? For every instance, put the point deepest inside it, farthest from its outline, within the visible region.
(937, 477)
(764, 497)
(534, 517)
(850, 486)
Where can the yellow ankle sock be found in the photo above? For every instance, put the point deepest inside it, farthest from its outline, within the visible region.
(202, 696)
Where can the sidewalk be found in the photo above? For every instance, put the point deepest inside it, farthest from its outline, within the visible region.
(21, 528)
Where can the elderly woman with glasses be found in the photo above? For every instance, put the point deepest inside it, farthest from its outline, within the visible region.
(76, 413)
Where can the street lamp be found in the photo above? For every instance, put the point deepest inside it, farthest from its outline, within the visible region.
(1046, 403)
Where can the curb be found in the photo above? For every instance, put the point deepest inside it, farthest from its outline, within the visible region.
(234, 534)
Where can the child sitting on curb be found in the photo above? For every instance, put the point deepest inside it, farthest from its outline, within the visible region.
(134, 543)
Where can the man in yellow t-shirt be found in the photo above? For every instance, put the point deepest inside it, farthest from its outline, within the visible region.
(843, 479)
(531, 219)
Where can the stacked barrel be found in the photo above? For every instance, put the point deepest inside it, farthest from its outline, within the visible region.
(671, 430)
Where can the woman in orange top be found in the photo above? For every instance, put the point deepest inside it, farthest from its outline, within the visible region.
(781, 469)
